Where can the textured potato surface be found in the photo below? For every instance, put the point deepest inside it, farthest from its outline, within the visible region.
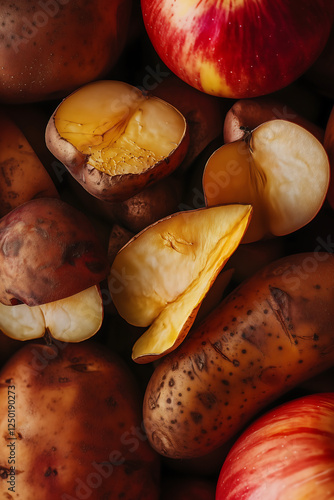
(270, 334)
(77, 430)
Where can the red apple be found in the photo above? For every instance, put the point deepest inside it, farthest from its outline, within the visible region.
(287, 453)
(238, 48)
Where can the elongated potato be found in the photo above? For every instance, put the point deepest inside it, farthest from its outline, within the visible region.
(71, 427)
(271, 333)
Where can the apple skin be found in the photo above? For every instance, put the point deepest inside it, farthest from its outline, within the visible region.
(240, 48)
(287, 453)
(51, 47)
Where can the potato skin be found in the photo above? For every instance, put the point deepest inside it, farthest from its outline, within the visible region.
(78, 426)
(51, 47)
(22, 175)
(48, 250)
(272, 332)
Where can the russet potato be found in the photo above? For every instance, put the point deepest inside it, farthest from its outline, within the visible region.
(77, 430)
(51, 47)
(269, 335)
(22, 175)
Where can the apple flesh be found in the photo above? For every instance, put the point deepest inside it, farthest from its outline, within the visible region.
(115, 140)
(279, 168)
(161, 276)
(288, 453)
(238, 49)
(48, 251)
(72, 319)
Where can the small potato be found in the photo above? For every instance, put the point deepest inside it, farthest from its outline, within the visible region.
(270, 334)
(22, 175)
(76, 429)
(48, 251)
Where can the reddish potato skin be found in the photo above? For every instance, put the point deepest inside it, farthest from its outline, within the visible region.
(48, 251)
(50, 48)
(78, 425)
(271, 333)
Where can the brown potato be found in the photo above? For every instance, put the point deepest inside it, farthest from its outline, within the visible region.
(270, 334)
(22, 175)
(48, 251)
(51, 47)
(75, 428)
(204, 113)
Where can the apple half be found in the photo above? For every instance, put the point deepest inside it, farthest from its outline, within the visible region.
(71, 319)
(115, 140)
(52, 262)
(280, 168)
(161, 276)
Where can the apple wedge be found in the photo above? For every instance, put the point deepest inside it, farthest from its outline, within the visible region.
(73, 319)
(115, 140)
(161, 276)
(280, 168)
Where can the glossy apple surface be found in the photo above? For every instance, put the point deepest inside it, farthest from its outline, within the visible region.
(287, 454)
(238, 48)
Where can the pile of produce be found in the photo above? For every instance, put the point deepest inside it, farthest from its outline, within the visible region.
(167, 250)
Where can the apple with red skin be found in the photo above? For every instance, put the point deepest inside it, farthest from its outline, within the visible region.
(287, 453)
(238, 48)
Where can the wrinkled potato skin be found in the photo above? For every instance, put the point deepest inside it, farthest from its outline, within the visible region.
(78, 426)
(22, 175)
(50, 48)
(48, 250)
(270, 334)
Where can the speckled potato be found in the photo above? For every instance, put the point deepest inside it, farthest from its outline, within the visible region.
(48, 251)
(77, 428)
(22, 175)
(51, 47)
(271, 333)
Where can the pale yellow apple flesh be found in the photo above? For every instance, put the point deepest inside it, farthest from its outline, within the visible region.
(161, 276)
(280, 168)
(122, 130)
(73, 319)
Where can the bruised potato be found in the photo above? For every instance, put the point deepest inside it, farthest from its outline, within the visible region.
(71, 423)
(267, 336)
(115, 139)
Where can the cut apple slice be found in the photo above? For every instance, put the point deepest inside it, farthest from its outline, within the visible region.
(161, 276)
(73, 319)
(115, 140)
(280, 168)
